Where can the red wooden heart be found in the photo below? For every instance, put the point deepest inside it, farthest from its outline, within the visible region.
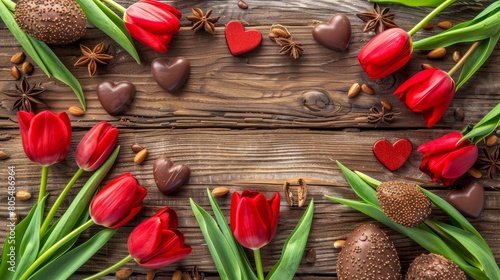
(169, 176)
(469, 201)
(392, 156)
(115, 98)
(239, 40)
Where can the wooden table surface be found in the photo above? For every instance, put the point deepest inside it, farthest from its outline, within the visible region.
(254, 122)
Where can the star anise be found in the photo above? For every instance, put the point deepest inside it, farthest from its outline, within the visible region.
(90, 58)
(25, 95)
(377, 116)
(199, 20)
(489, 161)
(379, 20)
(288, 46)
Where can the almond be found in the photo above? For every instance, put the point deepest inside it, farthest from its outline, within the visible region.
(354, 90)
(141, 156)
(386, 104)
(15, 73)
(367, 89)
(456, 56)
(124, 273)
(475, 173)
(14, 217)
(445, 24)
(428, 26)
(18, 58)
(151, 274)
(426, 66)
(220, 191)
(437, 53)
(23, 195)
(338, 244)
(27, 68)
(280, 32)
(75, 111)
(136, 148)
(491, 141)
(177, 275)
(4, 155)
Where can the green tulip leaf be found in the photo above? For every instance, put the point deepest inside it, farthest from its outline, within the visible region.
(233, 244)
(224, 258)
(67, 222)
(31, 241)
(483, 26)
(294, 248)
(411, 3)
(64, 266)
(364, 191)
(108, 25)
(118, 21)
(41, 54)
(7, 269)
(479, 132)
(477, 59)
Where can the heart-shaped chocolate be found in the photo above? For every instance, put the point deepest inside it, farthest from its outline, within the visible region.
(239, 40)
(115, 98)
(171, 73)
(392, 156)
(469, 201)
(334, 34)
(169, 176)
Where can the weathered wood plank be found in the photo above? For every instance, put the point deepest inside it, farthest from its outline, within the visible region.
(238, 159)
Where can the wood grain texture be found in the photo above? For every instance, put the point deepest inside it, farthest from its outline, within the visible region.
(255, 122)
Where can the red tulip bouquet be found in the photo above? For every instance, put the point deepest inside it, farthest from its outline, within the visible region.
(253, 224)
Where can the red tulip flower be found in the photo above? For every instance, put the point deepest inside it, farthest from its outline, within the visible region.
(96, 146)
(428, 92)
(156, 242)
(253, 218)
(446, 159)
(386, 53)
(153, 23)
(117, 202)
(46, 137)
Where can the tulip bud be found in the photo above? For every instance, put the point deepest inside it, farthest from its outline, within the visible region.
(156, 242)
(117, 202)
(46, 137)
(96, 146)
(386, 53)
(254, 219)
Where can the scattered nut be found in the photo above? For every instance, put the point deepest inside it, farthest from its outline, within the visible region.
(445, 24)
(4, 155)
(136, 148)
(75, 111)
(177, 275)
(141, 156)
(456, 56)
(288, 193)
(386, 104)
(220, 191)
(338, 244)
(14, 217)
(475, 173)
(426, 66)
(436, 53)
(302, 192)
(280, 32)
(272, 35)
(459, 114)
(15, 73)
(354, 90)
(23, 195)
(491, 140)
(18, 58)
(367, 89)
(242, 5)
(151, 274)
(311, 256)
(124, 273)
(27, 68)
(428, 26)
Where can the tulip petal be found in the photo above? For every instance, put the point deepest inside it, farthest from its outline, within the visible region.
(145, 238)
(164, 6)
(146, 38)
(24, 119)
(168, 217)
(156, 21)
(433, 115)
(250, 230)
(443, 144)
(167, 259)
(274, 204)
(459, 161)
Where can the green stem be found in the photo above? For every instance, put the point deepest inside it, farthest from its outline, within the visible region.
(110, 269)
(10, 5)
(59, 200)
(43, 183)
(425, 20)
(464, 58)
(115, 5)
(258, 264)
(45, 256)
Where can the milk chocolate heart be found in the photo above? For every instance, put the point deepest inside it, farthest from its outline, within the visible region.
(170, 73)
(392, 156)
(334, 34)
(239, 40)
(469, 201)
(115, 98)
(169, 176)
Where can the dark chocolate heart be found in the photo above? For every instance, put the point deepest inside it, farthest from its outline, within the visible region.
(115, 98)
(334, 34)
(169, 176)
(170, 73)
(469, 201)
